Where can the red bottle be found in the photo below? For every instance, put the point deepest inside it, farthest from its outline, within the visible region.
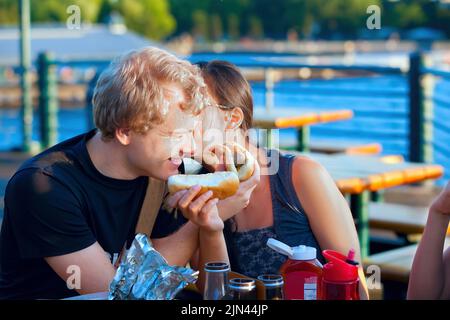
(302, 272)
(340, 276)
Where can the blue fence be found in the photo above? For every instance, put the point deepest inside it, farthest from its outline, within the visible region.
(382, 101)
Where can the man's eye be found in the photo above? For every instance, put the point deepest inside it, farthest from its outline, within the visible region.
(177, 136)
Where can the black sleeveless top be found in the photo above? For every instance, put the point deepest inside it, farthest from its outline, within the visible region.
(248, 251)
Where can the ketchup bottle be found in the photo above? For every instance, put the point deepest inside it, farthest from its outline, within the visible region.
(302, 272)
(340, 276)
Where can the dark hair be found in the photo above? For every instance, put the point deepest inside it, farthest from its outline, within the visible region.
(229, 87)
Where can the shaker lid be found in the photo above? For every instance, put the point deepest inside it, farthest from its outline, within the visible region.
(340, 268)
(304, 253)
(294, 253)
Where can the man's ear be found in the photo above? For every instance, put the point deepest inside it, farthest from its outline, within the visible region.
(234, 118)
(123, 136)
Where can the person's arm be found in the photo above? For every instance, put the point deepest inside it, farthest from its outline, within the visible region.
(203, 212)
(50, 225)
(430, 272)
(212, 248)
(230, 206)
(328, 213)
(91, 265)
(179, 247)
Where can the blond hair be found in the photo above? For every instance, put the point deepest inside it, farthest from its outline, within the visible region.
(129, 95)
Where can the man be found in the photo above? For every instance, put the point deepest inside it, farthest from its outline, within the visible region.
(74, 207)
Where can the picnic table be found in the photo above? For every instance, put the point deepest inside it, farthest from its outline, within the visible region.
(301, 119)
(359, 175)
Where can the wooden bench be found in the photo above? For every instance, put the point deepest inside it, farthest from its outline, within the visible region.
(399, 218)
(415, 195)
(395, 265)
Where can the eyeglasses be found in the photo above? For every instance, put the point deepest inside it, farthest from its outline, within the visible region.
(220, 106)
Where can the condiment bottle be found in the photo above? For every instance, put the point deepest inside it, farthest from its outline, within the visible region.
(216, 282)
(302, 272)
(340, 276)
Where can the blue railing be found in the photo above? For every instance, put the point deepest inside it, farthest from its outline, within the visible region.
(405, 107)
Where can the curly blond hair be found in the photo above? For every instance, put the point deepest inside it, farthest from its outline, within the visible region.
(128, 94)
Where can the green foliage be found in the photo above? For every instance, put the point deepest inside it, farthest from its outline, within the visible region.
(216, 27)
(200, 24)
(216, 19)
(233, 26)
(151, 18)
(255, 28)
(9, 11)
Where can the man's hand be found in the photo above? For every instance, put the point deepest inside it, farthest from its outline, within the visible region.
(232, 205)
(202, 211)
(441, 204)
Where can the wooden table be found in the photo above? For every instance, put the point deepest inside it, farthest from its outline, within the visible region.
(358, 176)
(301, 119)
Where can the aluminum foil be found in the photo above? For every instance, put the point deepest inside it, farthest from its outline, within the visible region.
(144, 274)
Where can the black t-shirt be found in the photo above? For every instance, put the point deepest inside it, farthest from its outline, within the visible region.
(58, 203)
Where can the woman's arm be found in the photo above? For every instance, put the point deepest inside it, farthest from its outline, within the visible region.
(430, 273)
(328, 213)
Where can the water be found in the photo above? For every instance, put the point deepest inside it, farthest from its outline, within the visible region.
(380, 106)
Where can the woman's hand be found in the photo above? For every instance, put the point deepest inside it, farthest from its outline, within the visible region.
(202, 211)
(230, 206)
(441, 204)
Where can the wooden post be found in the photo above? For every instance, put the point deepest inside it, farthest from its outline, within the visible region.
(25, 76)
(48, 100)
(269, 84)
(359, 204)
(420, 111)
(303, 139)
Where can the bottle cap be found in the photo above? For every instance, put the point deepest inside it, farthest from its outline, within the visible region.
(242, 284)
(338, 269)
(294, 253)
(217, 266)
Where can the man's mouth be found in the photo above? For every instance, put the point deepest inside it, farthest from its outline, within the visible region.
(176, 161)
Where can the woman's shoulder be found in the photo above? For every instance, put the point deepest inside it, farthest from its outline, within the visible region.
(306, 166)
(308, 173)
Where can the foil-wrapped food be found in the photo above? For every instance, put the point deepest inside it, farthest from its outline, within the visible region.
(144, 274)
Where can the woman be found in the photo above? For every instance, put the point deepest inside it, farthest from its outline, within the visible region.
(299, 204)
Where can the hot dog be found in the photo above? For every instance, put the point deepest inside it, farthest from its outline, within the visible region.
(238, 162)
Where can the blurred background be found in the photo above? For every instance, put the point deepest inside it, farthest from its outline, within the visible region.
(83, 35)
(387, 61)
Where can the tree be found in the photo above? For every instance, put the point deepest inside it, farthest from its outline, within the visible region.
(200, 24)
(216, 27)
(56, 10)
(9, 11)
(233, 26)
(404, 14)
(255, 28)
(151, 18)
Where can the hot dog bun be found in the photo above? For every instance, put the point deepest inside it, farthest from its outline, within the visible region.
(223, 184)
(242, 162)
